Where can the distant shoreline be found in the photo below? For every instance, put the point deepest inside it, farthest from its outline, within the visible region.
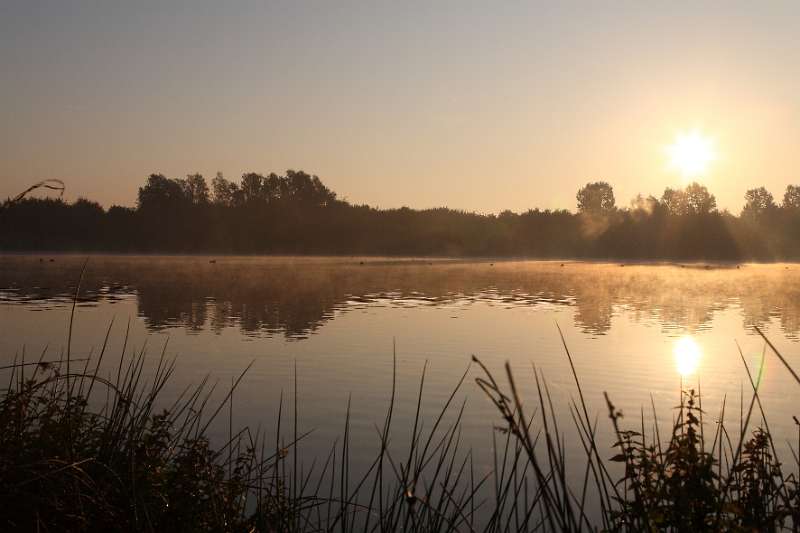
(296, 214)
(399, 259)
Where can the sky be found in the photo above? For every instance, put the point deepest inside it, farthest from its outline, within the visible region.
(483, 106)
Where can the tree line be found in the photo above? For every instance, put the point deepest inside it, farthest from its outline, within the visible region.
(295, 213)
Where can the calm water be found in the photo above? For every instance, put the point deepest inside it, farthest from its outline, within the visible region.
(634, 331)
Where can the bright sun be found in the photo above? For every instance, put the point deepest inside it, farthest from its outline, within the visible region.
(691, 153)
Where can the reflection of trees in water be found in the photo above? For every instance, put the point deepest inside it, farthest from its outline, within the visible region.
(269, 302)
(294, 297)
(593, 316)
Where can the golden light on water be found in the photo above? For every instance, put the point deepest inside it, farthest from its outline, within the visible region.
(687, 356)
(691, 154)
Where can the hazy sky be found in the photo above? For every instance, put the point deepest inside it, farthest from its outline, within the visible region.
(477, 105)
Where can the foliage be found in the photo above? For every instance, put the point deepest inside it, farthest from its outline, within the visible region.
(758, 202)
(67, 465)
(69, 462)
(680, 486)
(683, 484)
(597, 197)
(296, 213)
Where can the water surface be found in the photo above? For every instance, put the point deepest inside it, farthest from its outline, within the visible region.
(635, 331)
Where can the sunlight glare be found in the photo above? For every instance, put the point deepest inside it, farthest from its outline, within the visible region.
(687, 356)
(691, 154)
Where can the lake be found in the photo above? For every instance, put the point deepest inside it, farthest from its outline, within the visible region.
(331, 325)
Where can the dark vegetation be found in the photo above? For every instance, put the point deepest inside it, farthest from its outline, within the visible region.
(79, 452)
(296, 213)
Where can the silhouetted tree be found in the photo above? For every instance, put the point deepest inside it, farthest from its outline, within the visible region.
(693, 200)
(675, 202)
(296, 213)
(275, 186)
(252, 188)
(308, 190)
(597, 197)
(758, 202)
(791, 198)
(195, 189)
(224, 192)
(698, 200)
(640, 204)
(161, 194)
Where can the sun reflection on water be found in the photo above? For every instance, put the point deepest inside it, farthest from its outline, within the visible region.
(687, 355)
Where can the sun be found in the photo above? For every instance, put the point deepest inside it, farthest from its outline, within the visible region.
(691, 153)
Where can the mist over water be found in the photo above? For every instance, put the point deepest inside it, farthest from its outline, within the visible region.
(634, 330)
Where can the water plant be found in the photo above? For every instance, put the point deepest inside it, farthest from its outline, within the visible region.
(82, 452)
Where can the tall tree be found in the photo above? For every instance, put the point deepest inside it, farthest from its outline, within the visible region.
(675, 201)
(223, 190)
(698, 200)
(596, 198)
(196, 189)
(161, 193)
(791, 198)
(252, 188)
(758, 202)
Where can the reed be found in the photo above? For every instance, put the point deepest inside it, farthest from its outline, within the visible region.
(79, 451)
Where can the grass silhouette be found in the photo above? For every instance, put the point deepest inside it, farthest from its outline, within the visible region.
(80, 452)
